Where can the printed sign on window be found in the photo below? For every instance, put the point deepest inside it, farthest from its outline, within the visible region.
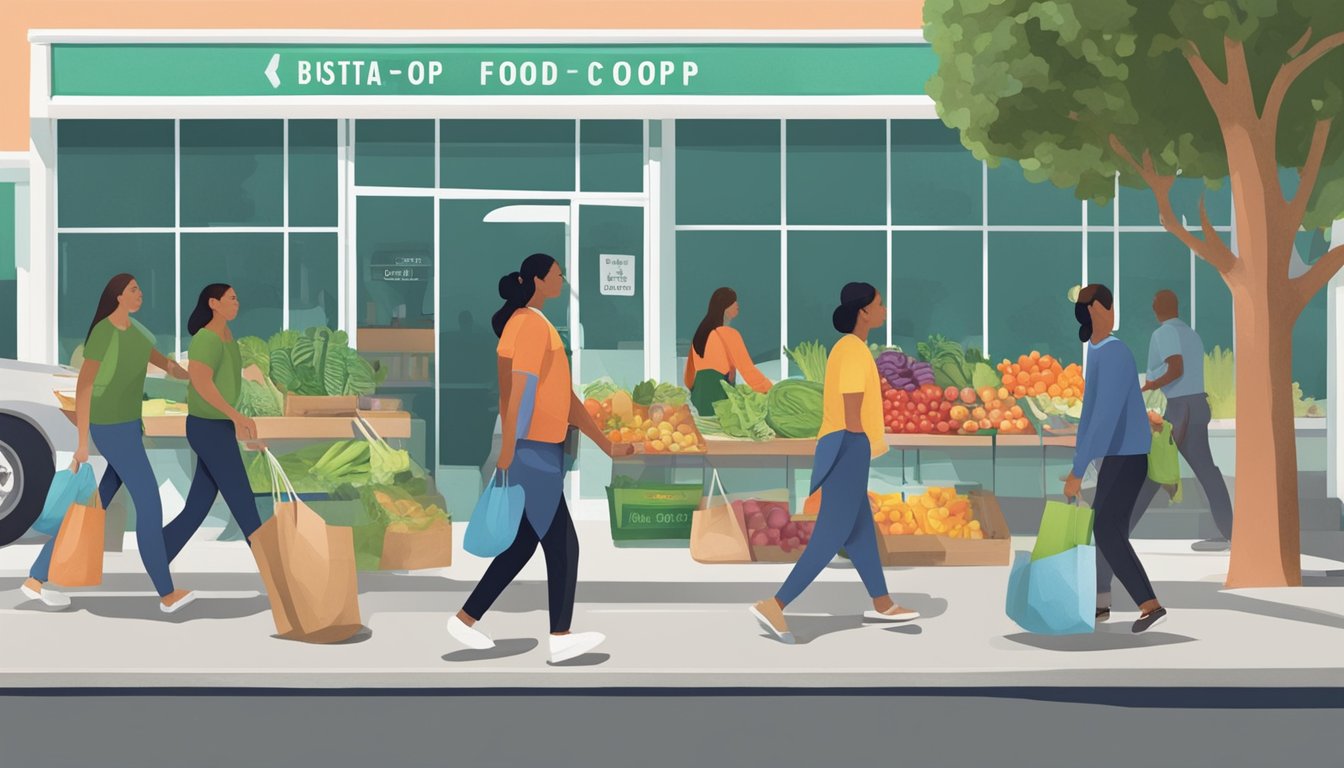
(618, 275)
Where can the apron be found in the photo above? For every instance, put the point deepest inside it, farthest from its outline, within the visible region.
(540, 469)
(706, 390)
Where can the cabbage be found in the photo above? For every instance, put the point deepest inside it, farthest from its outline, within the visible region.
(794, 407)
(743, 413)
(260, 399)
(255, 351)
(670, 394)
(601, 389)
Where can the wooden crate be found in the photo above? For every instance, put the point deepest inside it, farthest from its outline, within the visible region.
(994, 549)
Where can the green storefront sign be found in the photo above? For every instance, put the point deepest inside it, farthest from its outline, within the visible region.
(502, 70)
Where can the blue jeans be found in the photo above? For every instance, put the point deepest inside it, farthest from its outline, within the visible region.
(845, 519)
(219, 470)
(123, 445)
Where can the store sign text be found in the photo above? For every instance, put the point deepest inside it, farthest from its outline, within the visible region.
(255, 69)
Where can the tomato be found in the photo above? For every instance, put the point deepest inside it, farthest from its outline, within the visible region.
(911, 426)
(918, 396)
(925, 426)
(912, 407)
(945, 407)
(921, 409)
(944, 427)
(951, 394)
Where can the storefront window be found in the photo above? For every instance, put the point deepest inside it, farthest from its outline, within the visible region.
(314, 260)
(1030, 274)
(1213, 307)
(728, 172)
(474, 255)
(1310, 333)
(253, 263)
(934, 180)
(1149, 262)
(394, 153)
(232, 173)
(314, 186)
(612, 319)
(115, 173)
(837, 171)
(1015, 201)
(937, 287)
(611, 155)
(747, 262)
(1138, 207)
(820, 264)
(87, 261)
(535, 155)
(9, 305)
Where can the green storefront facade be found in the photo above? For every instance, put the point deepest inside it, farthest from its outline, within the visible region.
(383, 185)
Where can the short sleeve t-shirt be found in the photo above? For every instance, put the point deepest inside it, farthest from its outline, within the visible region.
(1171, 338)
(122, 357)
(532, 346)
(850, 369)
(225, 359)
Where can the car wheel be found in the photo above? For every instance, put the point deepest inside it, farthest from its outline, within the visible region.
(26, 469)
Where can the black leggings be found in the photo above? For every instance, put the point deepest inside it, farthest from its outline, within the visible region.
(561, 548)
(1118, 485)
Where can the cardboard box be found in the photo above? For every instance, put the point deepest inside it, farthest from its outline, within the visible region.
(994, 549)
(413, 550)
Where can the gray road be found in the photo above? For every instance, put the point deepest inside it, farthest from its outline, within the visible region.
(1126, 728)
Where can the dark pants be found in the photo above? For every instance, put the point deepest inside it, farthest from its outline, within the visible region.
(1118, 485)
(219, 470)
(1189, 417)
(561, 548)
(123, 445)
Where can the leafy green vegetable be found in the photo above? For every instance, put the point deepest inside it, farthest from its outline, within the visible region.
(794, 408)
(261, 399)
(670, 394)
(385, 462)
(255, 351)
(319, 361)
(951, 366)
(984, 375)
(709, 426)
(810, 357)
(601, 389)
(878, 349)
(317, 468)
(743, 413)
(643, 392)
(1220, 382)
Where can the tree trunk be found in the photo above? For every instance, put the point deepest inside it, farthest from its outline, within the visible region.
(1266, 544)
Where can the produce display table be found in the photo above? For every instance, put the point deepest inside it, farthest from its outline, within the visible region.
(388, 424)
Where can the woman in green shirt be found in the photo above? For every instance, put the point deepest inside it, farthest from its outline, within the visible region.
(108, 397)
(214, 425)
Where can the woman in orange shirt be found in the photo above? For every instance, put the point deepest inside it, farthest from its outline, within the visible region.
(538, 405)
(718, 354)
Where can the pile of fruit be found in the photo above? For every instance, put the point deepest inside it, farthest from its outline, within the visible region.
(936, 512)
(406, 514)
(933, 410)
(1053, 389)
(654, 429)
(769, 524)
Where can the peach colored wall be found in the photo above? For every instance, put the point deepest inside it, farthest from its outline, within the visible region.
(19, 16)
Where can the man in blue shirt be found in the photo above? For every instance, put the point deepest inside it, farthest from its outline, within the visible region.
(1176, 366)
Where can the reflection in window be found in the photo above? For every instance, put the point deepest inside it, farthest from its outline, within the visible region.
(507, 154)
(314, 191)
(936, 288)
(934, 180)
(394, 153)
(115, 173)
(313, 280)
(611, 155)
(1015, 201)
(232, 173)
(728, 172)
(837, 172)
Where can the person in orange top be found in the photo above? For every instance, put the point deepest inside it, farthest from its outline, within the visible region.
(718, 354)
(538, 405)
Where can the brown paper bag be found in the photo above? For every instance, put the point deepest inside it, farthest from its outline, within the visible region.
(77, 558)
(413, 550)
(308, 568)
(718, 532)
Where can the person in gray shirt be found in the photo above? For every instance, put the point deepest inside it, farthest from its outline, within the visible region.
(1176, 366)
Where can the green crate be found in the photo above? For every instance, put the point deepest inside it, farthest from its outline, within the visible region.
(652, 512)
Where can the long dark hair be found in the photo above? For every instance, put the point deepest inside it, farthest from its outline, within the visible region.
(107, 303)
(853, 298)
(1094, 292)
(203, 314)
(517, 288)
(719, 302)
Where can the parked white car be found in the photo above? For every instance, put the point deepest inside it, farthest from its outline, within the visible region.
(35, 439)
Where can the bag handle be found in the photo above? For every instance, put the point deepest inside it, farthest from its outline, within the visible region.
(714, 483)
(369, 432)
(280, 483)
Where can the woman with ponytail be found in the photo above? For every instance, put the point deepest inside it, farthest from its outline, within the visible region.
(108, 396)
(718, 354)
(852, 434)
(214, 425)
(538, 406)
(1114, 430)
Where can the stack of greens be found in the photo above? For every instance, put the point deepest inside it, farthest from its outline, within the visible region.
(648, 393)
(318, 361)
(743, 414)
(955, 367)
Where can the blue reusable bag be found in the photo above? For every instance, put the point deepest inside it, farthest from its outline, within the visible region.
(1056, 595)
(494, 523)
(66, 488)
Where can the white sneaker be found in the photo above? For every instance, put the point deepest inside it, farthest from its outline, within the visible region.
(471, 637)
(181, 603)
(47, 596)
(567, 647)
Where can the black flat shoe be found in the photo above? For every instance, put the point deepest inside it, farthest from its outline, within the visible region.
(1148, 621)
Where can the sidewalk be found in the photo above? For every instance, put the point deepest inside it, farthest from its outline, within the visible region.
(671, 623)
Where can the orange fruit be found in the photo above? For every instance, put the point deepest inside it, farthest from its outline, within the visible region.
(1035, 355)
(1024, 361)
(1048, 360)
(1016, 411)
(986, 424)
(1021, 391)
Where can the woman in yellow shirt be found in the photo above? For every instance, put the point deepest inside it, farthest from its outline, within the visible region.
(851, 436)
(538, 406)
(718, 354)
